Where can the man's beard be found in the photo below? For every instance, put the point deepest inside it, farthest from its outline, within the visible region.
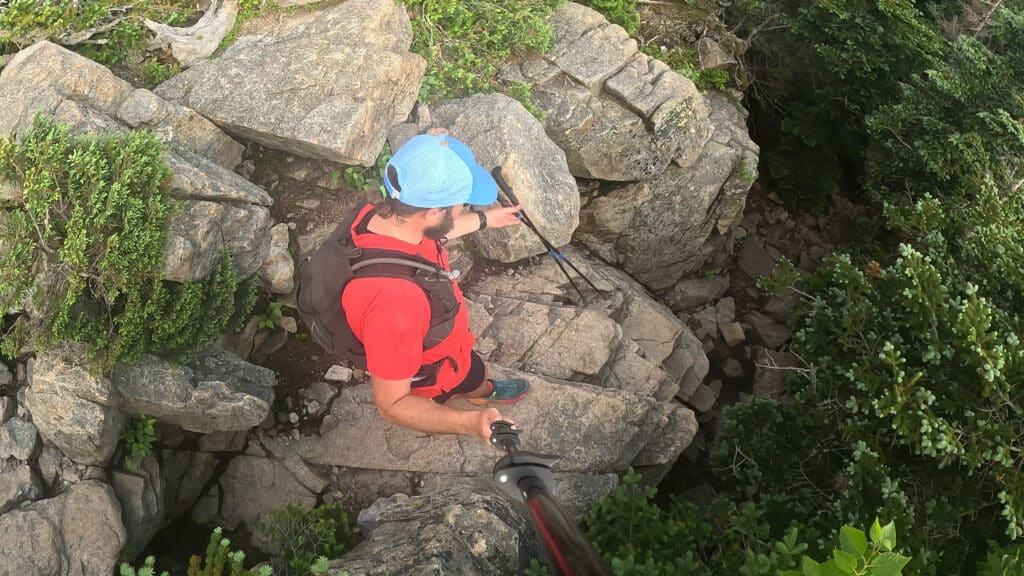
(442, 229)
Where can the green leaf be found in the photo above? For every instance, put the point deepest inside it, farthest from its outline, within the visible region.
(846, 562)
(889, 536)
(888, 564)
(831, 569)
(876, 532)
(811, 567)
(790, 573)
(853, 541)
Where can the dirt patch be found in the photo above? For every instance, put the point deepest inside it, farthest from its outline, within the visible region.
(312, 198)
(672, 24)
(310, 195)
(276, 21)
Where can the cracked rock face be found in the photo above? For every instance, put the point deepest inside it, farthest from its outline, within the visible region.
(620, 115)
(447, 532)
(657, 229)
(253, 487)
(530, 319)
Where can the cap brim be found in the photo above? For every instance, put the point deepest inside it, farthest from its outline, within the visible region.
(485, 189)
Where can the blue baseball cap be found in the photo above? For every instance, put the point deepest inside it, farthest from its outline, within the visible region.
(438, 171)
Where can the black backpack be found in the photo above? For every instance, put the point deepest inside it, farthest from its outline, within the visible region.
(327, 272)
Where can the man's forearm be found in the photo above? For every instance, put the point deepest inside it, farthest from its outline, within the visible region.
(466, 223)
(430, 417)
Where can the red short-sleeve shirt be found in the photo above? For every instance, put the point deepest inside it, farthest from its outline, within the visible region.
(391, 316)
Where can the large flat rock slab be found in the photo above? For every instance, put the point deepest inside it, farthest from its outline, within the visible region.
(328, 88)
(592, 428)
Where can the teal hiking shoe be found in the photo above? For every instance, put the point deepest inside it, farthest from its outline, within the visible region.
(504, 392)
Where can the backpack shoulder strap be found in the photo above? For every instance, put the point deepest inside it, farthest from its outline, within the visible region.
(399, 260)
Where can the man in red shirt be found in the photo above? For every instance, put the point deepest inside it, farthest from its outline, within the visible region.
(429, 184)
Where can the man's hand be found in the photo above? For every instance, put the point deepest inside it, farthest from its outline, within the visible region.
(499, 217)
(485, 418)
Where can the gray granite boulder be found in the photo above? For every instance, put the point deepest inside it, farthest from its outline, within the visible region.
(72, 406)
(618, 114)
(19, 483)
(57, 82)
(455, 531)
(253, 487)
(595, 429)
(326, 86)
(502, 133)
(18, 439)
(656, 229)
(215, 391)
(78, 533)
(185, 474)
(141, 495)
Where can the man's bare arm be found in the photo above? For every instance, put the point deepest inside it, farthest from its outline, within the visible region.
(397, 405)
(497, 217)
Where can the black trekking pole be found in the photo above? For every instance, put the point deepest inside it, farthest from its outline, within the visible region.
(526, 477)
(552, 250)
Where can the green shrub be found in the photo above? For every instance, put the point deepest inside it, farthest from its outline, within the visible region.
(272, 316)
(465, 42)
(820, 69)
(146, 569)
(25, 22)
(955, 122)
(1002, 561)
(639, 538)
(305, 535)
(621, 12)
(684, 62)
(320, 568)
(86, 249)
(857, 556)
(138, 438)
(912, 408)
(220, 560)
(365, 179)
(154, 72)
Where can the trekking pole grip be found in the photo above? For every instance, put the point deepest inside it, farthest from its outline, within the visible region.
(503, 436)
(496, 173)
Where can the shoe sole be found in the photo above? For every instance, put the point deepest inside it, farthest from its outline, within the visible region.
(481, 401)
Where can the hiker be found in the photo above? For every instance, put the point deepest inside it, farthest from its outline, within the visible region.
(400, 315)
